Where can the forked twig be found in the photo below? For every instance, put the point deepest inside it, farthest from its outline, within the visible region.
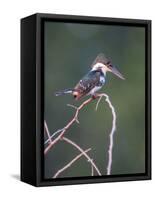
(75, 119)
(70, 163)
(54, 134)
(82, 151)
(93, 165)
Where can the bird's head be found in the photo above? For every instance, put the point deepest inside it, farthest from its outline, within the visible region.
(103, 64)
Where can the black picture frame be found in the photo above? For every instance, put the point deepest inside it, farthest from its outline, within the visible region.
(32, 99)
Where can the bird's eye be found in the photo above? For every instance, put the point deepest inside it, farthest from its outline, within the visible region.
(110, 65)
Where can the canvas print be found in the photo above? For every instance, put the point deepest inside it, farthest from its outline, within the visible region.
(94, 100)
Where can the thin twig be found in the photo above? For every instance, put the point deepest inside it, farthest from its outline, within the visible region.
(97, 104)
(75, 107)
(70, 163)
(54, 134)
(92, 170)
(47, 131)
(111, 136)
(74, 119)
(82, 151)
(72, 106)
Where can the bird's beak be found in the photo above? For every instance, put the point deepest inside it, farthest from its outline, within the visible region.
(115, 71)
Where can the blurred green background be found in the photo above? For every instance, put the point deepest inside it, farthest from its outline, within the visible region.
(70, 50)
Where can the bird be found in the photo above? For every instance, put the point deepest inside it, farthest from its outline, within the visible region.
(94, 80)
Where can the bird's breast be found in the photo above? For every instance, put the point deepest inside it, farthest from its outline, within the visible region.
(94, 90)
(102, 80)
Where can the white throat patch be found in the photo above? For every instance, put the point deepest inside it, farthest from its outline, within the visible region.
(97, 65)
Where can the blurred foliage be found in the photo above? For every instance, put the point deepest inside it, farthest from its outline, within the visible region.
(69, 51)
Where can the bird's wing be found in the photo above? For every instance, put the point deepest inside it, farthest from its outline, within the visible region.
(87, 83)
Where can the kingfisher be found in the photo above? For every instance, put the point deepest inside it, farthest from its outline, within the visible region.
(93, 80)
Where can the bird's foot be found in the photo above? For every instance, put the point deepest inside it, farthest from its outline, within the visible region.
(94, 96)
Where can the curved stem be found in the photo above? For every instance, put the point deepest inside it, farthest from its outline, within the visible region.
(113, 129)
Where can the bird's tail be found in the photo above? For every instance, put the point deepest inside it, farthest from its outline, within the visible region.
(62, 92)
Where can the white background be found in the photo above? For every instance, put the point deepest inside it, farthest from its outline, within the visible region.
(10, 14)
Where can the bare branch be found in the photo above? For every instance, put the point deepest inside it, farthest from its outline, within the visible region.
(75, 107)
(113, 129)
(74, 119)
(111, 136)
(47, 131)
(70, 163)
(93, 165)
(82, 151)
